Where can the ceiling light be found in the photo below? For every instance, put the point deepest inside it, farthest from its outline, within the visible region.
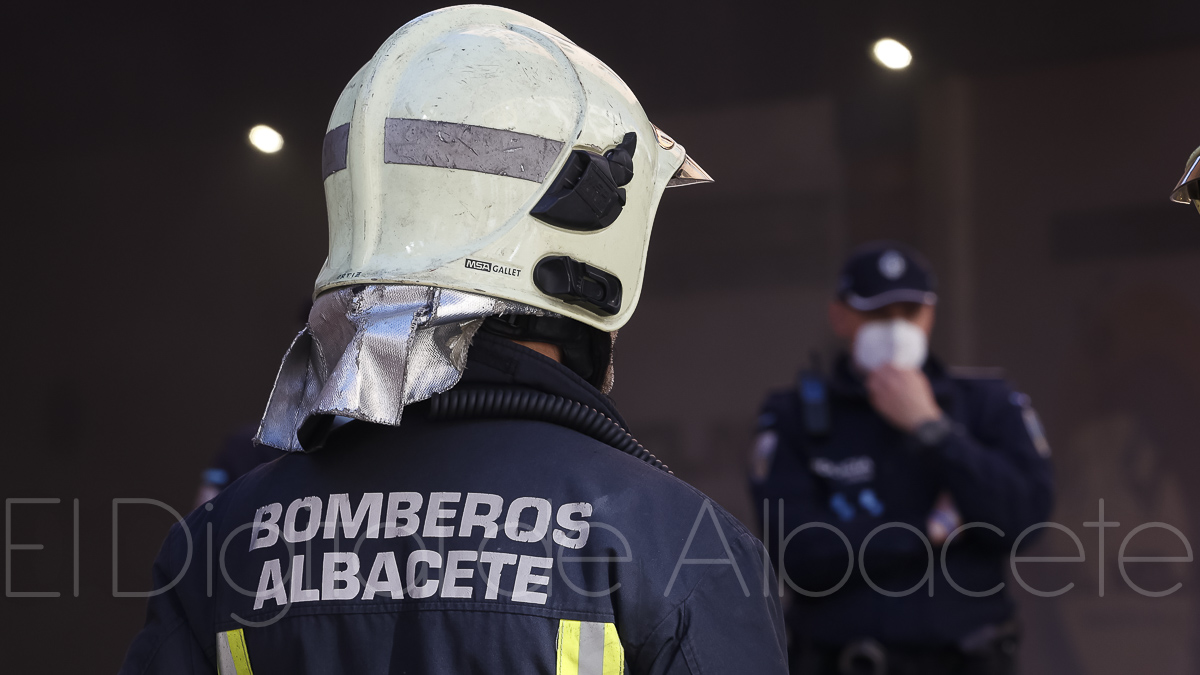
(266, 139)
(891, 54)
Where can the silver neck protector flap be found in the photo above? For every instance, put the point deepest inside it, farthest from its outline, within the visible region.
(368, 351)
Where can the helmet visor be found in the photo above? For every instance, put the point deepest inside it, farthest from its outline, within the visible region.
(689, 173)
(1188, 189)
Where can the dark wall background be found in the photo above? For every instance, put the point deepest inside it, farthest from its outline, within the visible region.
(157, 262)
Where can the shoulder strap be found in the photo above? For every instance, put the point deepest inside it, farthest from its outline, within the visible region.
(813, 393)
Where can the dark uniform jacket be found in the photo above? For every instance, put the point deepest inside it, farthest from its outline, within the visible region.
(863, 474)
(477, 546)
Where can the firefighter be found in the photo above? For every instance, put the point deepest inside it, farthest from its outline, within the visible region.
(459, 493)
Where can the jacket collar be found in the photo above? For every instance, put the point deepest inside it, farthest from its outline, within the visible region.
(498, 361)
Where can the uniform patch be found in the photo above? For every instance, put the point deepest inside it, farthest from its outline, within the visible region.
(943, 520)
(848, 471)
(762, 456)
(870, 502)
(842, 507)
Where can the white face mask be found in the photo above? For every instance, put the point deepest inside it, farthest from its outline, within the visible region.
(896, 341)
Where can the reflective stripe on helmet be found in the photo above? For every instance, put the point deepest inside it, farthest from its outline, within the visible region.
(468, 147)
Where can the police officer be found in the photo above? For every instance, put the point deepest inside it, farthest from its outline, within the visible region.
(238, 454)
(866, 474)
(1188, 189)
(237, 457)
(460, 495)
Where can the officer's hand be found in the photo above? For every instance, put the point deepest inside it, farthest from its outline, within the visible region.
(903, 397)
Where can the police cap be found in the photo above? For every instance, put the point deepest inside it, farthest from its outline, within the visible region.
(883, 272)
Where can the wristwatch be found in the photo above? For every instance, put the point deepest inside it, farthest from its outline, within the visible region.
(931, 433)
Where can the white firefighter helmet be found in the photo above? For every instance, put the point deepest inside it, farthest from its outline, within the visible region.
(1188, 189)
(481, 150)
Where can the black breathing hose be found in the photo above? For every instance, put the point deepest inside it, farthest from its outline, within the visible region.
(519, 403)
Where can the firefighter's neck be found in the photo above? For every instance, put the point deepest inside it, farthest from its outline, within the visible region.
(544, 348)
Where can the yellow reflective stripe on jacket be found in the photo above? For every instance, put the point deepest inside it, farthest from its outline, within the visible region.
(232, 657)
(589, 648)
(614, 653)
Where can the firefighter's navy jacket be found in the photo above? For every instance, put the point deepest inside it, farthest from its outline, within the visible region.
(499, 546)
(861, 474)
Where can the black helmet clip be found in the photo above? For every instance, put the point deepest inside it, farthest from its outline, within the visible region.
(586, 195)
(571, 280)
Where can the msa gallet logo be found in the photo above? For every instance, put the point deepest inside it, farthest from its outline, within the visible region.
(482, 266)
